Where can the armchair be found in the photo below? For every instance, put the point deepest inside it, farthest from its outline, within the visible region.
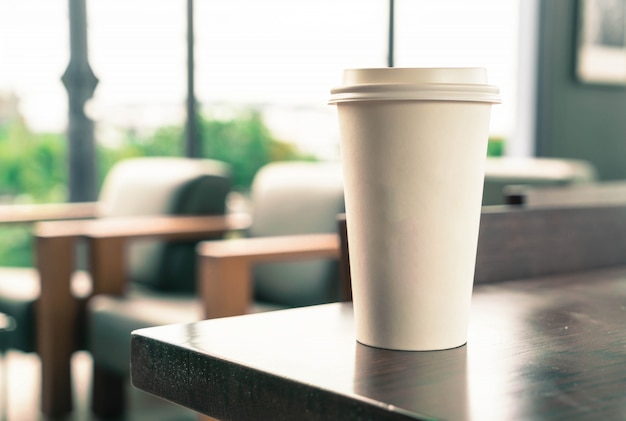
(294, 211)
(49, 305)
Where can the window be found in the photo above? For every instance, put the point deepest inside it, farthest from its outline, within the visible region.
(279, 56)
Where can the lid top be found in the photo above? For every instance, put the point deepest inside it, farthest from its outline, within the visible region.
(406, 75)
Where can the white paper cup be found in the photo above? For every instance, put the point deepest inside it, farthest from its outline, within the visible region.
(414, 145)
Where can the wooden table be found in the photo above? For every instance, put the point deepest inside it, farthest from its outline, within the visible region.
(544, 348)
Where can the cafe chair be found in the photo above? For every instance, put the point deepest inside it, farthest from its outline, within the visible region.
(294, 214)
(48, 307)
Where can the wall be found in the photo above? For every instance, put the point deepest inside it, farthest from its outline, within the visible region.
(575, 120)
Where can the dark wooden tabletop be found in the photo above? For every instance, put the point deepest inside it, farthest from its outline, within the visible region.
(539, 349)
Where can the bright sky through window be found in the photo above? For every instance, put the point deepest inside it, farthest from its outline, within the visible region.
(281, 55)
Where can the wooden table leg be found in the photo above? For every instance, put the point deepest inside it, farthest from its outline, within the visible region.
(57, 316)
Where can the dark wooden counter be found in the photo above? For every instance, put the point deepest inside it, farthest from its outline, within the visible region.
(540, 349)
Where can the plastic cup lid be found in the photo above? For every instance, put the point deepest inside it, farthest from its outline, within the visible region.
(432, 84)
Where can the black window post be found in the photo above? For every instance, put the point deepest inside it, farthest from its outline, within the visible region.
(390, 46)
(80, 83)
(193, 143)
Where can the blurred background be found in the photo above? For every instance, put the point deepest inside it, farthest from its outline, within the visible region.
(265, 68)
(278, 57)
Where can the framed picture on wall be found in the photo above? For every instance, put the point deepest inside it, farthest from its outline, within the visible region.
(601, 52)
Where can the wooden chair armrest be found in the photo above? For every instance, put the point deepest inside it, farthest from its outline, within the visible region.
(272, 248)
(164, 227)
(21, 214)
(167, 227)
(225, 266)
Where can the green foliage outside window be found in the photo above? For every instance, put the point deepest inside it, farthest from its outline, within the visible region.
(495, 147)
(32, 166)
(244, 142)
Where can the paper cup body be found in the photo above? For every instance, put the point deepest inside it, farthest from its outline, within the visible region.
(413, 152)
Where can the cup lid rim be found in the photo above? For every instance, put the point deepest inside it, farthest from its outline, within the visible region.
(415, 92)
